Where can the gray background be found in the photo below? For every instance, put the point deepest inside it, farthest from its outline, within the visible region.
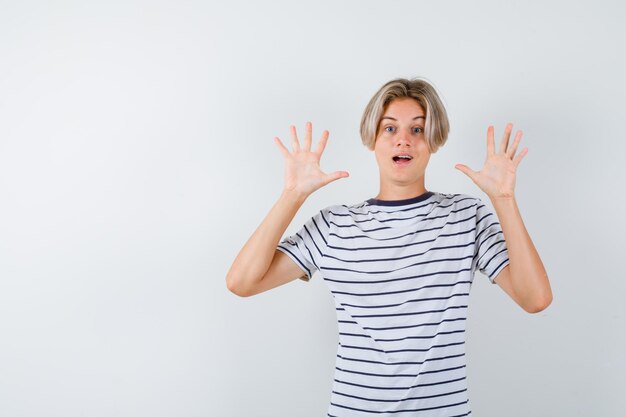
(136, 157)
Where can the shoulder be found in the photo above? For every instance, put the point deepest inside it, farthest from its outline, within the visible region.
(345, 210)
(330, 214)
(342, 215)
(456, 200)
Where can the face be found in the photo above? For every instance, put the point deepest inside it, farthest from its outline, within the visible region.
(401, 149)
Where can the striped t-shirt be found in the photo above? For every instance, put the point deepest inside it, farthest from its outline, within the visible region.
(400, 273)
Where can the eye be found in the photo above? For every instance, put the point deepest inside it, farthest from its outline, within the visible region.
(418, 130)
(390, 129)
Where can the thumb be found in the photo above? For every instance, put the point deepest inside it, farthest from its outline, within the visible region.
(333, 176)
(467, 171)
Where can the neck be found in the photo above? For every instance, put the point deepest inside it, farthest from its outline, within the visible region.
(401, 191)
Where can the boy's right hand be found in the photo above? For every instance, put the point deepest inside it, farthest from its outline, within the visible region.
(303, 174)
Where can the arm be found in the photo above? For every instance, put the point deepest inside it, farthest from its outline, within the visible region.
(259, 266)
(525, 279)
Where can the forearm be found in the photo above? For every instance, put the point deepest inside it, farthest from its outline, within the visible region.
(528, 278)
(255, 257)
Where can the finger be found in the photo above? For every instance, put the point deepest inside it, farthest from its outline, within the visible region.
(295, 145)
(504, 143)
(511, 151)
(520, 156)
(281, 147)
(308, 136)
(467, 171)
(322, 143)
(491, 146)
(333, 176)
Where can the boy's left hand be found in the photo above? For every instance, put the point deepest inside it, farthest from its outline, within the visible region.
(497, 177)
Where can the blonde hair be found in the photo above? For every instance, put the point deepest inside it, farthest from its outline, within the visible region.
(437, 126)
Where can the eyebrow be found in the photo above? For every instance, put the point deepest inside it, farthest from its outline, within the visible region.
(395, 120)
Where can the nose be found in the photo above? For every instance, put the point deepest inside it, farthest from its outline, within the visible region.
(403, 139)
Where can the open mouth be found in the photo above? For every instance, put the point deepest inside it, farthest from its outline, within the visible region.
(402, 159)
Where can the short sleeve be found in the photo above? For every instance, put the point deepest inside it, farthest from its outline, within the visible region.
(490, 255)
(306, 247)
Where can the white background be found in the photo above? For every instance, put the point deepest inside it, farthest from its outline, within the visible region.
(136, 157)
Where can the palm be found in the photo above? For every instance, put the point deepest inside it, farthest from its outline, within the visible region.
(497, 177)
(303, 174)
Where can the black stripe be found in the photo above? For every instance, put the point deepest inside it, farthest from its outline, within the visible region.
(395, 203)
(403, 246)
(382, 281)
(498, 267)
(339, 226)
(415, 300)
(400, 411)
(311, 257)
(406, 209)
(394, 270)
(304, 268)
(402, 338)
(413, 313)
(494, 257)
(372, 212)
(403, 350)
(369, 213)
(436, 371)
(456, 415)
(443, 216)
(411, 326)
(313, 240)
(486, 229)
(490, 246)
(346, 358)
(319, 231)
(366, 205)
(413, 255)
(478, 209)
(424, 397)
(454, 284)
(381, 375)
(485, 240)
(398, 375)
(393, 292)
(324, 218)
(401, 388)
(472, 217)
(432, 261)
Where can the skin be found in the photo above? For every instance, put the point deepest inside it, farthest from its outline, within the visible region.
(525, 279)
(401, 131)
(259, 266)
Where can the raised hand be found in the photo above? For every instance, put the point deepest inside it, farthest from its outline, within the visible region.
(303, 174)
(497, 178)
